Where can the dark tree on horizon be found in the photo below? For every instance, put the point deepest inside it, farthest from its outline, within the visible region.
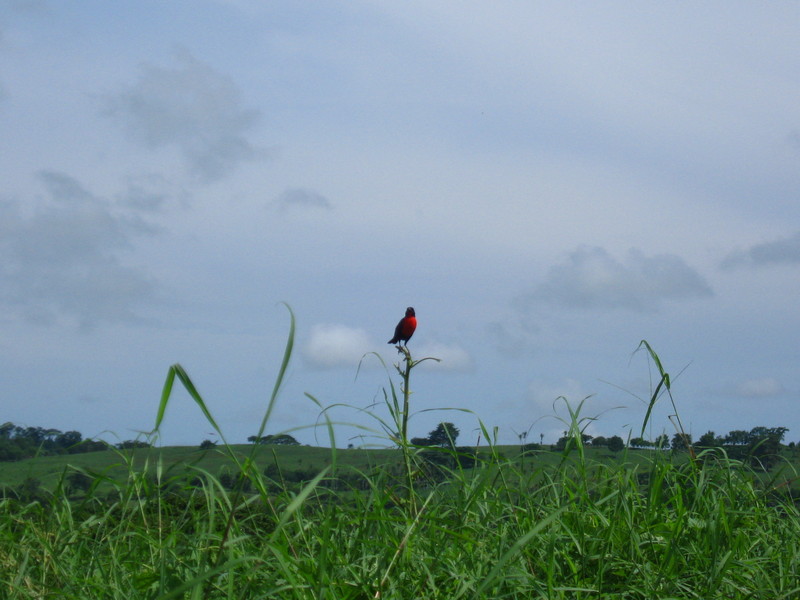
(615, 443)
(444, 435)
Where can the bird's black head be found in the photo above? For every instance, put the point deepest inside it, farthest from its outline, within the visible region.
(410, 312)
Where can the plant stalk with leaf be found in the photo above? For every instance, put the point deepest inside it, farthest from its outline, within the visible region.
(401, 415)
(664, 383)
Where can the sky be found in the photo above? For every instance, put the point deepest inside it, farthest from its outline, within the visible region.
(547, 184)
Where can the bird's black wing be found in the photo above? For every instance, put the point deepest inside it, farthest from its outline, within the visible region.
(397, 332)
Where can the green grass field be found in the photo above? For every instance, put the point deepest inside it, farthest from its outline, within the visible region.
(176, 460)
(402, 523)
(116, 464)
(160, 524)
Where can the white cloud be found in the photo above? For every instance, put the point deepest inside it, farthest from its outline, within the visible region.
(760, 388)
(549, 399)
(591, 278)
(194, 108)
(452, 357)
(333, 345)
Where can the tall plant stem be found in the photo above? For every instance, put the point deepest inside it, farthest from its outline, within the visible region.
(405, 373)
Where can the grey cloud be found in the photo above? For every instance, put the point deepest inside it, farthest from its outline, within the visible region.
(512, 336)
(592, 278)
(785, 251)
(140, 198)
(794, 139)
(62, 259)
(3, 93)
(28, 5)
(302, 197)
(74, 226)
(191, 107)
(146, 193)
(507, 342)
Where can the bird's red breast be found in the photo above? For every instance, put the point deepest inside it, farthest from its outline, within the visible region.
(407, 327)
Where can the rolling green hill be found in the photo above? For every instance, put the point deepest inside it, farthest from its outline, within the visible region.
(172, 461)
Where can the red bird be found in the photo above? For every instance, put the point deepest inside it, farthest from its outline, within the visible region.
(405, 328)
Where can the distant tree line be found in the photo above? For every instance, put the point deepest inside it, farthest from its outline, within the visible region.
(760, 446)
(18, 443)
(613, 443)
(737, 438)
(280, 439)
(443, 436)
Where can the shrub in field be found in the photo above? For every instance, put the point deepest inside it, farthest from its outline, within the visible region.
(615, 443)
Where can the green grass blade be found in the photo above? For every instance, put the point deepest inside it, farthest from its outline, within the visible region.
(664, 382)
(514, 550)
(287, 355)
(165, 394)
(190, 387)
(298, 501)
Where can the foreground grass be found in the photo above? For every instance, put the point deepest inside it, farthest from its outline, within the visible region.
(574, 527)
(581, 529)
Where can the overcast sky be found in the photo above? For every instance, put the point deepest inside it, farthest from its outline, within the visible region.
(546, 183)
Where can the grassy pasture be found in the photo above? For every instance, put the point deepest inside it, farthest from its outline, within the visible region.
(588, 525)
(174, 460)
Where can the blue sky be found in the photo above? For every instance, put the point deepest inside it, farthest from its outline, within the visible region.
(547, 184)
